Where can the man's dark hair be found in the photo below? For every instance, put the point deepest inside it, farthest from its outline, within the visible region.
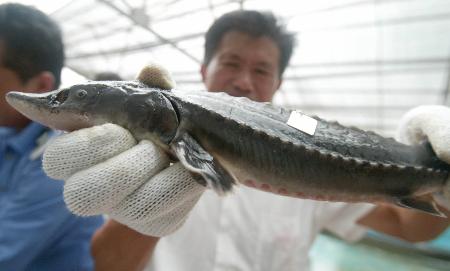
(253, 23)
(107, 76)
(31, 41)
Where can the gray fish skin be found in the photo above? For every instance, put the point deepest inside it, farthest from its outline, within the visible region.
(251, 141)
(145, 112)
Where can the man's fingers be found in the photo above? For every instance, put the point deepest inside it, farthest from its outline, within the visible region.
(84, 148)
(161, 205)
(97, 189)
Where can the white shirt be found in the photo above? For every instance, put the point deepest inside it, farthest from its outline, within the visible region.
(253, 230)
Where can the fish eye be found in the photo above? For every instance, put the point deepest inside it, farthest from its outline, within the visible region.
(81, 93)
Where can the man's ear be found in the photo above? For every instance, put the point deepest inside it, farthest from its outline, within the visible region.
(203, 72)
(42, 82)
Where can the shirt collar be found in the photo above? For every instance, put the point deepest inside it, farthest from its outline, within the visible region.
(25, 139)
(6, 132)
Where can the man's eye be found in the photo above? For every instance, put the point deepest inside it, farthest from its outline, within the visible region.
(262, 72)
(231, 64)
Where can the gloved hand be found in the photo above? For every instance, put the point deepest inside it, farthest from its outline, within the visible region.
(431, 122)
(105, 172)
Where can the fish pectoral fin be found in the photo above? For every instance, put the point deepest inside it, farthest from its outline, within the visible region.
(199, 161)
(424, 205)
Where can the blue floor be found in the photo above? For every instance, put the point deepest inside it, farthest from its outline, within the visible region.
(378, 252)
(443, 242)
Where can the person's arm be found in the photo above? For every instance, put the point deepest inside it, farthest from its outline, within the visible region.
(410, 225)
(117, 247)
(34, 220)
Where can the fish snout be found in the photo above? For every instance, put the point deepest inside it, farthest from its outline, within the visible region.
(31, 105)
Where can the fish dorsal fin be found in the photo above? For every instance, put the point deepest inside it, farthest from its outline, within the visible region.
(427, 206)
(199, 161)
(156, 76)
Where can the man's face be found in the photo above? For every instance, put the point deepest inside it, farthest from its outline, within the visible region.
(9, 81)
(244, 66)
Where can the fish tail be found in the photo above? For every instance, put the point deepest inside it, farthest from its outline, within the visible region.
(425, 204)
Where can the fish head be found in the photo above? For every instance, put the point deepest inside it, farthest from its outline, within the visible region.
(72, 108)
(151, 115)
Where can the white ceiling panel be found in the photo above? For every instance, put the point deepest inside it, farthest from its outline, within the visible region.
(363, 62)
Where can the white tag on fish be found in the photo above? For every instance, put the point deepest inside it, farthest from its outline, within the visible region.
(302, 122)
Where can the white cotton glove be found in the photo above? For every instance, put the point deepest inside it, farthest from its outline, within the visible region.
(431, 122)
(105, 172)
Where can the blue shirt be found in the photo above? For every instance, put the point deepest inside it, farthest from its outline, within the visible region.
(37, 231)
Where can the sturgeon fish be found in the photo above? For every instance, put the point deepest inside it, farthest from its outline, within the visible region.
(225, 140)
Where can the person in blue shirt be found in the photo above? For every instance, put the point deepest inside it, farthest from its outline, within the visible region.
(37, 231)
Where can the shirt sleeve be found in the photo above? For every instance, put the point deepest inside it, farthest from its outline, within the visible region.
(341, 218)
(35, 220)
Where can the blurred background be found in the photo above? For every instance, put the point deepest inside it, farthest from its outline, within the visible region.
(361, 62)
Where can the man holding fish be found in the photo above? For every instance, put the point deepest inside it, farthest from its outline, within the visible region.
(246, 53)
